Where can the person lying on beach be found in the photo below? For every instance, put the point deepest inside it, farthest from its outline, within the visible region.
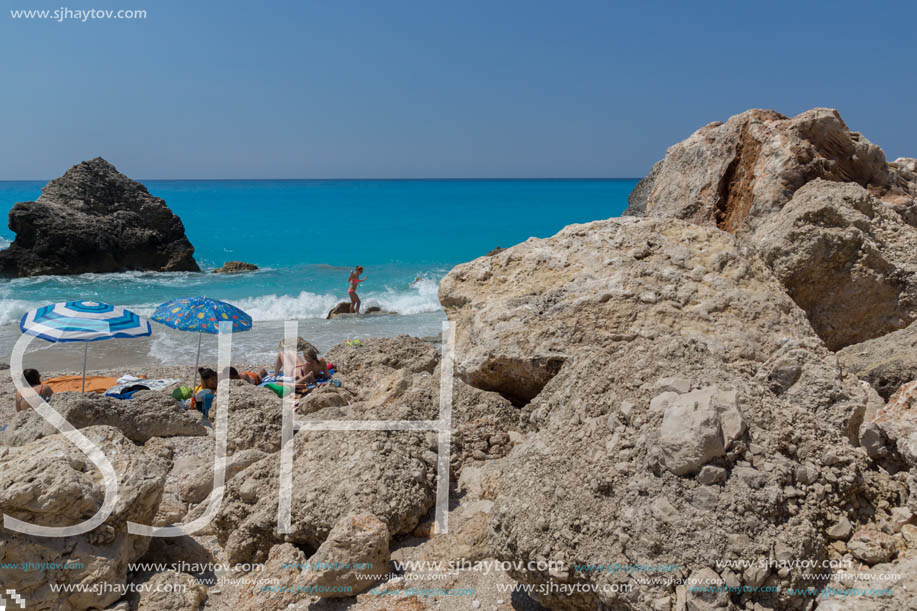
(251, 377)
(33, 379)
(354, 279)
(203, 398)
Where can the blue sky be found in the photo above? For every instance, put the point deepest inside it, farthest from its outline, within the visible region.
(303, 89)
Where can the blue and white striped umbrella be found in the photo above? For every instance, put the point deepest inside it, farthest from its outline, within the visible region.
(83, 321)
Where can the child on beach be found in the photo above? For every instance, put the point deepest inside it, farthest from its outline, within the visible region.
(33, 379)
(354, 279)
(203, 398)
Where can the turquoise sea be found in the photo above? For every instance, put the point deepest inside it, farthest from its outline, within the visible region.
(306, 235)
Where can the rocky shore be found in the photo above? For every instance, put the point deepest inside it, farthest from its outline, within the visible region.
(718, 389)
(95, 219)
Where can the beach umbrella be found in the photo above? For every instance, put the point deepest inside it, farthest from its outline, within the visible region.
(83, 321)
(201, 315)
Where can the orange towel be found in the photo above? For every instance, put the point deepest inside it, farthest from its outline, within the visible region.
(75, 383)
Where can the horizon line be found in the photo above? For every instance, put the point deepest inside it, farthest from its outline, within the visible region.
(466, 178)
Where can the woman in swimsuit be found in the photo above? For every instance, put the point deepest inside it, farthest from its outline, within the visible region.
(354, 279)
(297, 365)
(314, 368)
(33, 379)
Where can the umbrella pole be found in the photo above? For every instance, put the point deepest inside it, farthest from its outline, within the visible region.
(197, 360)
(85, 351)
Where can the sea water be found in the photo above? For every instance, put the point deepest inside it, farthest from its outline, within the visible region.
(306, 236)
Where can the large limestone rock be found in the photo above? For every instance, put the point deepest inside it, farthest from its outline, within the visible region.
(886, 362)
(95, 219)
(835, 220)
(50, 482)
(335, 473)
(353, 557)
(195, 482)
(148, 414)
(735, 174)
(657, 327)
(522, 313)
(402, 352)
(846, 259)
(255, 418)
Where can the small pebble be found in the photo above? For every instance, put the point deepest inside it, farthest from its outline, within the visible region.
(476, 604)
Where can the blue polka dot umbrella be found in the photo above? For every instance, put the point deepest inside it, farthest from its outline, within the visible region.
(202, 315)
(83, 321)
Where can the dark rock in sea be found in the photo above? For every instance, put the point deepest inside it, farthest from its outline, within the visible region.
(341, 308)
(236, 267)
(95, 219)
(636, 201)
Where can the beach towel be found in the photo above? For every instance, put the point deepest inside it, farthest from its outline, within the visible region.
(124, 383)
(128, 392)
(279, 389)
(275, 379)
(75, 383)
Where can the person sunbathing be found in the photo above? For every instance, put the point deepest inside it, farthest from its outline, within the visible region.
(313, 369)
(252, 377)
(292, 360)
(33, 379)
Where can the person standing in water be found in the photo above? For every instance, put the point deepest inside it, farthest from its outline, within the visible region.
(354, 279)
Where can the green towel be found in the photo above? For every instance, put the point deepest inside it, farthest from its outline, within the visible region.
(280, 389)
(181, 393)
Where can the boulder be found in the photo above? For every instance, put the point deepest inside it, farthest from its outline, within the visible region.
(255, 418)
(353, 557)
(845, 258)
(598, 484)
(736, 174)
(697, 427)
(403, 352)
(872, 546)
(836, 222)
(236, 267)
(148, 414)
(196, 484)
(335, 473)
(886, 362)
(50, 482)
(342, 307)
(521, 314)
(681, 403)
(95, 219)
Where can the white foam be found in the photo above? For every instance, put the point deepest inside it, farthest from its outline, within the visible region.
(11, 310)
(422, 298)
(4, 243)
(287, 307)
(419, 299)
